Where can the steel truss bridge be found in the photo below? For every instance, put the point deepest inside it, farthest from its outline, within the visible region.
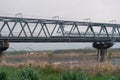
(15, 29)
(103, 35)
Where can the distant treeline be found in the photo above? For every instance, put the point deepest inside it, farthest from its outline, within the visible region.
(75, 51)
(114, 50)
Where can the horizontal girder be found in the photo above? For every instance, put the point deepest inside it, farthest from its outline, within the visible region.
(16, 29)
(58, 39)
(47, 21)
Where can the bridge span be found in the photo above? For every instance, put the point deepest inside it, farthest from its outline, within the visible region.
(102, 35)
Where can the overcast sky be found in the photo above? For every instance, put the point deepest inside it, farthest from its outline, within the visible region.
(97, 10)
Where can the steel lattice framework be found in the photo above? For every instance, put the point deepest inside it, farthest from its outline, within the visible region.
(43, 30)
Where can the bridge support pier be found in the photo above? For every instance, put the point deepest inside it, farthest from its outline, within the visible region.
(3, 46)
(102, 50)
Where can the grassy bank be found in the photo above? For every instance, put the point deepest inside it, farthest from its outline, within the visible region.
(42, 66)
(48, 73)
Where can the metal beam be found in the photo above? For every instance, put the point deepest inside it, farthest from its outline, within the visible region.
(66, 32)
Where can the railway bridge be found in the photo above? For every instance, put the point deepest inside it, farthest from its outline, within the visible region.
(102, 35)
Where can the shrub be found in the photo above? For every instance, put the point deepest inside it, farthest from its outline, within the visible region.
(48, 69)
(99, 74)
(73, 76)
(28, 74)
(114, 78)
(81, 76)
(3, 75)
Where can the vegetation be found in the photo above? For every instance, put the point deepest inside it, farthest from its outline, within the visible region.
(48, 71)
(3, 75)
(74, 76)
(35, 73)
(75, 50)
(50, 52)
(28, 74)
(15, 52)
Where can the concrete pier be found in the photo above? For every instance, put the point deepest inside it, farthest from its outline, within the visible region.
(3, 46)
(102, 50)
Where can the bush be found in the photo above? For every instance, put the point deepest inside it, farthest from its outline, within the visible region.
(48, 69)
(99, 74)
(28, 74)
(81, 76)
(3, 75)
(73, 76)
(114, 78)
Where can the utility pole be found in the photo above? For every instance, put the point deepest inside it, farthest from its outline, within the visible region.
(55, 17)
(18, 15)
(88, 19)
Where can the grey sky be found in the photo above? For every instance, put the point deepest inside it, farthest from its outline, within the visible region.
(97, 10)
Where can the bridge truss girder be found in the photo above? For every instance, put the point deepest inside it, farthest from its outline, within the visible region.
(42, 30)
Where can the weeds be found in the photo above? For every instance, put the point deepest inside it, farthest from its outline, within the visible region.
(35, 73)
(74, 76)
(28, 74)
(3, 75)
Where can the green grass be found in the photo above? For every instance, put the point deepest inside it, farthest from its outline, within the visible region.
(11, 73)
(28, 73)
(74, 76)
